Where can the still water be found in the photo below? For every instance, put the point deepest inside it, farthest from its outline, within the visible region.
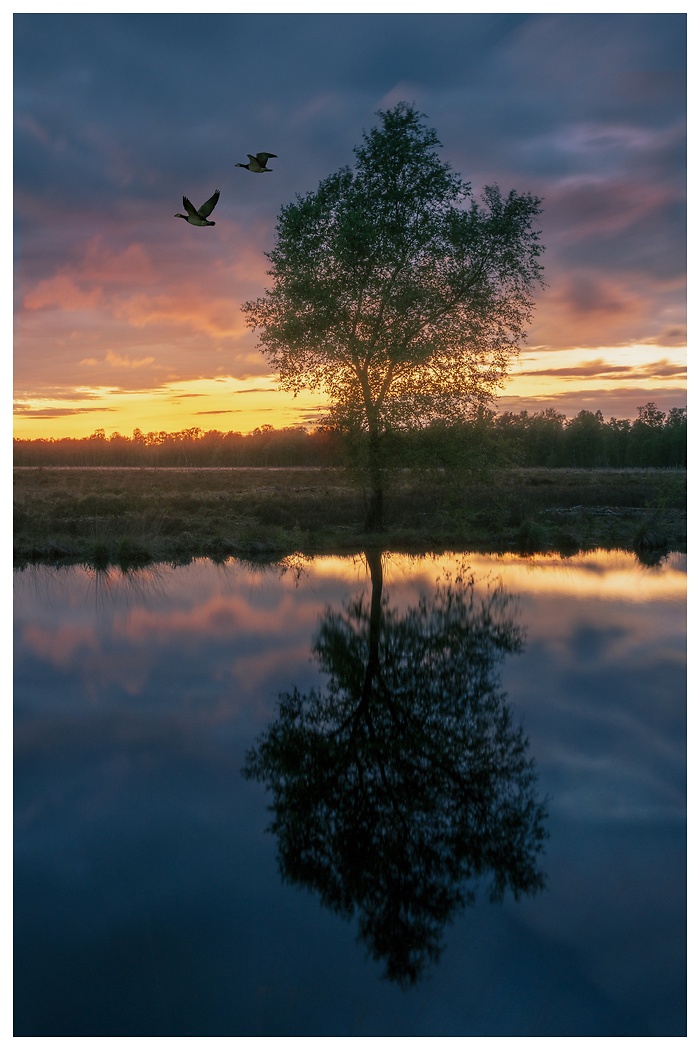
(369, 796)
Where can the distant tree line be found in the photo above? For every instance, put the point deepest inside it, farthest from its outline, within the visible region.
(539, 439)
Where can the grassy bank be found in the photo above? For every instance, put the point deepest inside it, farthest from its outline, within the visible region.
(131, 516)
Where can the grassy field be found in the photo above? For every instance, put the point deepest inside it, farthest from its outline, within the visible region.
(132, 516)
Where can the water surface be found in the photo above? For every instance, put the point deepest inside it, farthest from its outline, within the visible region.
(149, 897)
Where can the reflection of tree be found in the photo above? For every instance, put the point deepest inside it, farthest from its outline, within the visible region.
(404, 781)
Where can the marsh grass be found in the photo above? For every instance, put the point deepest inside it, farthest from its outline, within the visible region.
(133, 516)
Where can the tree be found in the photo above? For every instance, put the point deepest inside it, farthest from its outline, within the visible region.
(585, 438)
(403, 785)
(676, 437)
(618, 441)
(395, 292)
(647, 435)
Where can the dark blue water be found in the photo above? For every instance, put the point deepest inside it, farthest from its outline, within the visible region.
(149, 897)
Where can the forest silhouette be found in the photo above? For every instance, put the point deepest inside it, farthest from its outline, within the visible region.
(539, 439)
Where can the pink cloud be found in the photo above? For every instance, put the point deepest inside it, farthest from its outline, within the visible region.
(61, 291)
(87, 284)
(126, 362)
(191, 307)
(103, 266)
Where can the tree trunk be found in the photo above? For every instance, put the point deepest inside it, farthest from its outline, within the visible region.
(374, 520)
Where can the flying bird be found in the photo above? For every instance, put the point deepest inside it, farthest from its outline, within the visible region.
(258, 162)
(198, 216)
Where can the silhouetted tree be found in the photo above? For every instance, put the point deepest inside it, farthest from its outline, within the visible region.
(403, 782)
(545, 439)
(618, 439)
(585, 439)
(395, 292)
(676, 438)
(646, 435)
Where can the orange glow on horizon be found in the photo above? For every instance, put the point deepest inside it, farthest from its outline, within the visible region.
(227, 404)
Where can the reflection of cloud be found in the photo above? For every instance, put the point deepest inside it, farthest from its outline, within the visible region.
(59, 645)
(229, 617)
(26, 122)
(600, 575)
(597, 575)
(255, 670)
(621, 758)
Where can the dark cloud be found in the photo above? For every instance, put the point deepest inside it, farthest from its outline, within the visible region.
(588, 295)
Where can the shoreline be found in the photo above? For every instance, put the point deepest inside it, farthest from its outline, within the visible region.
(130, 516)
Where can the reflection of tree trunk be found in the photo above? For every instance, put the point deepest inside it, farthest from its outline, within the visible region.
(374, 561)
(374, 521)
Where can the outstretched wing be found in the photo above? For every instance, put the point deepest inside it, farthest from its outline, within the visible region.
(208, 206)
(189, 206)
(264, 157)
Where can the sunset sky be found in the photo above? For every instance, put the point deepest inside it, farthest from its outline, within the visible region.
(127, 317)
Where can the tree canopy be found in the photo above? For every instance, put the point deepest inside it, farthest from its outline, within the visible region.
(394, 291)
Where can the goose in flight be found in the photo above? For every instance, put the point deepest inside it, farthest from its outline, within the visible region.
(198, 216)
(258, 162)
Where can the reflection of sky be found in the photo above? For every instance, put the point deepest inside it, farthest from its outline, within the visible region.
(146, 887)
